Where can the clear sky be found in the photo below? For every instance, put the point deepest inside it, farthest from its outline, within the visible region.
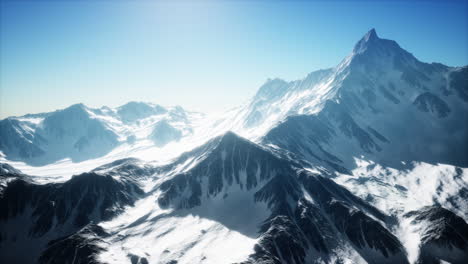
(207, 55)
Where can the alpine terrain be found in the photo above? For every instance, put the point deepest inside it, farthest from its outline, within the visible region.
(366, 162)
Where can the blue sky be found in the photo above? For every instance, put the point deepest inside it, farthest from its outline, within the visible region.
(207, 55)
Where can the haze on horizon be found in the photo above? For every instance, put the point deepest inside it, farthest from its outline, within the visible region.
(206, 56)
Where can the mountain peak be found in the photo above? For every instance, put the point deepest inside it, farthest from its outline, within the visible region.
(369, 39)
(229, 139)
(76, 108)
(371, 35)
(375, 48)
(230, 136)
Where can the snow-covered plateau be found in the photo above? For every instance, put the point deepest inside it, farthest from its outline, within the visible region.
(365, 162)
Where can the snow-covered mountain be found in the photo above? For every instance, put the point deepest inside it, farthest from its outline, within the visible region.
(382, 104)
(81, 133)
(34, 215)
(292, 211)
(365, 162)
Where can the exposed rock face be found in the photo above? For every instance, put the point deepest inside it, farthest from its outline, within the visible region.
(229, 162)
(444, 235)
(459, 82)
(80, 247)
(428, 102)
(8, 169)
(31, 215)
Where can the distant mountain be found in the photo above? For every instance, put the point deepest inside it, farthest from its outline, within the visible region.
(164, 133)
(81, 133)
(134, 111)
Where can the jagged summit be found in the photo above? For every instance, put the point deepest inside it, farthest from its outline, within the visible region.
(371, 42)
(371, 35)
(364, 42)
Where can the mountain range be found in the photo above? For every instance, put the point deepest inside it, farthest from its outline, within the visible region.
(365, 162)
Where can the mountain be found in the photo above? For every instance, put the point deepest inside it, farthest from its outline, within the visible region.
(18, 140)
(301, 209)
(82, 133)
(364, 162)
(382, 104)
(134, 111)
(444, 235)
(71, 132)
(228, 174)
(33, 215)
(164, 133)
